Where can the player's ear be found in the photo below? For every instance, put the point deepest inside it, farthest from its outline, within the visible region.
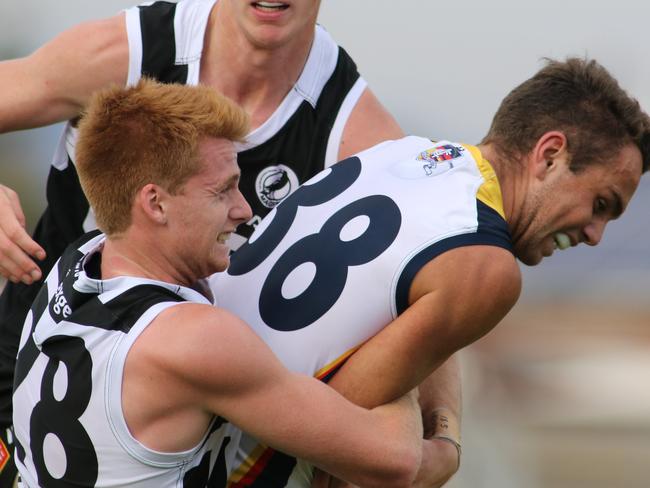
(151, 200)
(549, 153)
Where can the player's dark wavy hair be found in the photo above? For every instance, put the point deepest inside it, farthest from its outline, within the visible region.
(580, 98)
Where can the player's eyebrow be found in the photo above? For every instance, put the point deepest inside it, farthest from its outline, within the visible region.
(232, 181)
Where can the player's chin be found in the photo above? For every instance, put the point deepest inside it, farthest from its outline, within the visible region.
(530, 257)
(220, 260)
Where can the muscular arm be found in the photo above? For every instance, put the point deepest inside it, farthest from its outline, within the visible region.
(454, 300)
(218, 365)
(54, 82)
(51, 85)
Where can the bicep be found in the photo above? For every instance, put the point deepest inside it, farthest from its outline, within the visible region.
(368, 125)
(54, 83)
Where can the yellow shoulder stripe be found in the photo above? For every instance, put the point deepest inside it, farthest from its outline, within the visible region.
(490, 191)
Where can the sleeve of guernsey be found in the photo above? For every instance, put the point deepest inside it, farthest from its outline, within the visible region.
(491, 230)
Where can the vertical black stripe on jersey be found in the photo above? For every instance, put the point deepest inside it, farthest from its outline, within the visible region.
(28, 354)
(492, 231)
(159, 43)
(301, 144)
(62, 222)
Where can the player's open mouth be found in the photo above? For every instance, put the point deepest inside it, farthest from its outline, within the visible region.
(562, 241)
(270, 6)
(223, 237)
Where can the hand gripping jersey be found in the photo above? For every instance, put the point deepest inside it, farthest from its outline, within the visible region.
(333, 264)
(69, 425)
(301, 138)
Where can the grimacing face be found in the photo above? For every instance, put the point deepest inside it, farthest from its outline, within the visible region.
(569, 208)
(207, 209)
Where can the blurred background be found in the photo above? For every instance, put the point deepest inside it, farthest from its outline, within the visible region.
(558, 396)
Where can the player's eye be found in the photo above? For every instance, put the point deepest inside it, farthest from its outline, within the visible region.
(600, 205)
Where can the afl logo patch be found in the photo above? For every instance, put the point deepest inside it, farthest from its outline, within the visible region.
(275, 183)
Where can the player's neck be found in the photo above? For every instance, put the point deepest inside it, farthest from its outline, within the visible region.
(257, 78)
(511, 180)
(128, 255)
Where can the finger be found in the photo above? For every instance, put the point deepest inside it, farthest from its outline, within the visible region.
(15, 275)
(12, 223)
(4, 273)
(15, 263)
(25, 242)
(14, 202)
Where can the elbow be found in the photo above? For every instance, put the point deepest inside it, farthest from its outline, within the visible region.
(404, 473)
(406, 469)
(399, 471)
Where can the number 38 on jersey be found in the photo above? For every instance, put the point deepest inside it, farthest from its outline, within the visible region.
(307, 262)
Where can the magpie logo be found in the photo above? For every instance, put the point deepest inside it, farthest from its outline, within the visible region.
(275, 183)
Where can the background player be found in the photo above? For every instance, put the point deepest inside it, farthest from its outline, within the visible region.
(427, 234)
(125, 362)
(308, 106)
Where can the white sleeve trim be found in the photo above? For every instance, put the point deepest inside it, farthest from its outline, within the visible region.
(113, 399)
(132, 17)
(334, 141)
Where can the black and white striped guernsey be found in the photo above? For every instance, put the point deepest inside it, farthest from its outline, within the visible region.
(68, 419)
(297, 141)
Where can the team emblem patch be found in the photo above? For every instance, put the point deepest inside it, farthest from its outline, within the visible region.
(275, 183)
(4, 455)
(444, 153)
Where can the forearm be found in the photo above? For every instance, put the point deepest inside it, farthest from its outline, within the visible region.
(440, 402)
(21, 96)
(441, 389)
(382, 370)
(54, 83)
(368, 448)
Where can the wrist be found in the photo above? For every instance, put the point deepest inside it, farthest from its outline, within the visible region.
(446, 428)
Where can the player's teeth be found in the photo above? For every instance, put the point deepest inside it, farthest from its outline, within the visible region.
(222, 238)
(271, 5)
(562, 241)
